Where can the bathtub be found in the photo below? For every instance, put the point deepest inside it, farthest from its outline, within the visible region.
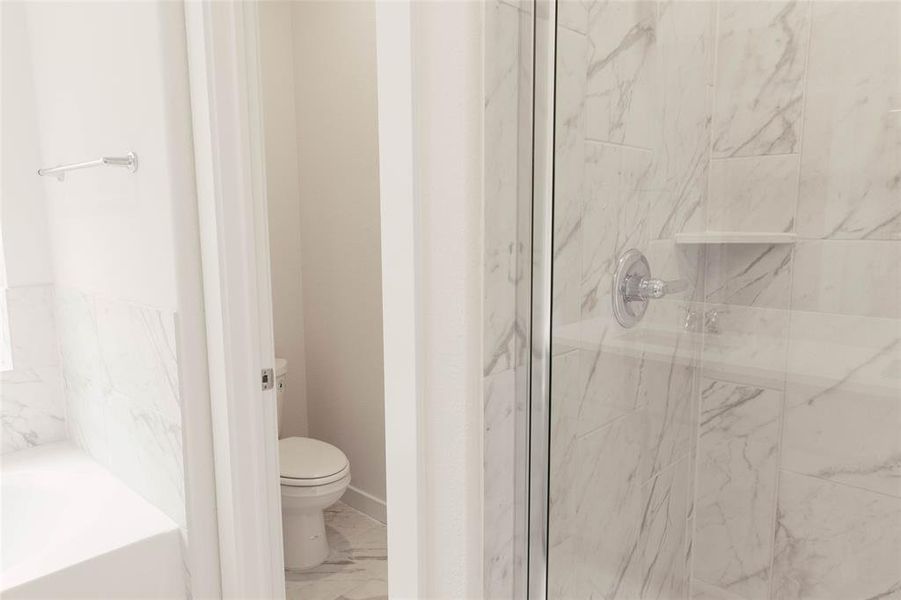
(69, 529)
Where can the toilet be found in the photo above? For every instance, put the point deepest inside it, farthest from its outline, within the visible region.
(314, 475)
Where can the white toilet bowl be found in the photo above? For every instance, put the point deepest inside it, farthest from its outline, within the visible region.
(314, 475)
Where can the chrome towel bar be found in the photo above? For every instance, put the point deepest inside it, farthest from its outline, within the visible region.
(129, 161)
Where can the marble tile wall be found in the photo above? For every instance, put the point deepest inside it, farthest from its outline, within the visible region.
(32, 407)
(120, 375)
(507, 230)
(797, 493)
(632, 146)
(742, 442)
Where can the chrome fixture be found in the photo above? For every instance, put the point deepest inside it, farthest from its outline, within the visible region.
(634, 288)
(129, 161)
(692, 321)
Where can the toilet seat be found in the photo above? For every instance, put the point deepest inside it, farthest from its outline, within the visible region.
(305, 462)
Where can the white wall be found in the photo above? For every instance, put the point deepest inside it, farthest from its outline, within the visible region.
(23, 213)
(447, 67)
(318, 63)
(283, 197)
(334, 52)
(104, 86)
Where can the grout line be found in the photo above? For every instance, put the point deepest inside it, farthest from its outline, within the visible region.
(618, 145)
(841, 484)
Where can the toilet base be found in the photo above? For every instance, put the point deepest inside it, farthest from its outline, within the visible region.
(306, 545)
(303, 522)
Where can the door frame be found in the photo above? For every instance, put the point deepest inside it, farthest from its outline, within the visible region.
(224, 76)
(228, 157)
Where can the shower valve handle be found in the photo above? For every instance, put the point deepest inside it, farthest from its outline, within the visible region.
(634, 288)
(643, 288)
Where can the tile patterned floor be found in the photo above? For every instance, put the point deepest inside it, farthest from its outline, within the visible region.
(357, 567)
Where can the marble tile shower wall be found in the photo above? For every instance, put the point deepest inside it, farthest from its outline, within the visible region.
(32, 406)
(507, 147)
(120, 373)
(631, 156)
(755, 455)
(799, 455)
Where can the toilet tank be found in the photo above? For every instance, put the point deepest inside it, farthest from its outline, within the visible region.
(281, 375)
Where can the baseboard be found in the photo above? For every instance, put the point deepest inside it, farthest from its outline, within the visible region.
(366, 503)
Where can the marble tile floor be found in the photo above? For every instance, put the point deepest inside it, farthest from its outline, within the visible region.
(357, 566)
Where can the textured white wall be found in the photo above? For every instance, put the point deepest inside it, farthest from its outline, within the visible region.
(447, 51)
(283, 197)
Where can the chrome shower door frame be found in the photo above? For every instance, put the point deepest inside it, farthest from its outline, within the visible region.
(544, 78)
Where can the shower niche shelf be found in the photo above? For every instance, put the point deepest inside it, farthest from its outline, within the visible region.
(735, 237)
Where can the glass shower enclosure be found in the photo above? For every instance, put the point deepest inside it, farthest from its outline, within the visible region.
(715, 403)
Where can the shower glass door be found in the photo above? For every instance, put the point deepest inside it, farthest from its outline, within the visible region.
(725, 417)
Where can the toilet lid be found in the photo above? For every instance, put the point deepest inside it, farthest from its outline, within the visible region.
(303, 458)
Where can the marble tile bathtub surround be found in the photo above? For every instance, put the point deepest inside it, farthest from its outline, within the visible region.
(32, 409)
(31, 326)
(119, 365)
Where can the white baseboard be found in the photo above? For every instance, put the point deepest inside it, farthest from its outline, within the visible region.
(366, 504)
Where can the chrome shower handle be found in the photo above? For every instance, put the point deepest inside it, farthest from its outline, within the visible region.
(634, 288)
(649, 288)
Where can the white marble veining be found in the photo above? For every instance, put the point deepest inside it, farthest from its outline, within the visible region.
(357, 566)
(617, 199)
(851, 163)
(31, 326)
(848, 277)
(501, 163)
(761, 55)
(751, 343)
(684, 42)
(32, 409)
(835, 542)
(595, 511)
(622, 102)
(753, 193)
(120, 372)
(569, 183)
(737, 465)
(663, 534)
(500, 479)
(749, 275)
(844, 428)
(137, 347)
(507, 84)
